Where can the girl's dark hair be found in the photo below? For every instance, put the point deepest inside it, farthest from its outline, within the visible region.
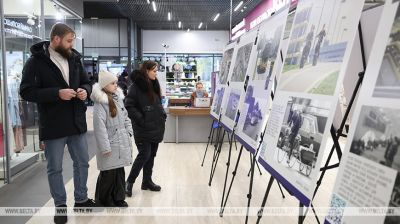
(111, 104)
(152, 89)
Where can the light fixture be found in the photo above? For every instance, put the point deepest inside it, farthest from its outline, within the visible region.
(148, 1)
(59, 16)
(179, 24)
(188, 30)
(30, 21)
(238, 6)
(94, 18)
(200, 25)
(80, 21)
(154, 6)
(216, 17)
(169, 16)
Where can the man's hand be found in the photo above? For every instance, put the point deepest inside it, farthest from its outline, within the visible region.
(82, 94)
(66, 94)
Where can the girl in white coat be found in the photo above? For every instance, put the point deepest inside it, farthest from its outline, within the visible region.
(112, 129)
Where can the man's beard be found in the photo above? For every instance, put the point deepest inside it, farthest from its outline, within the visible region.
(66, 53)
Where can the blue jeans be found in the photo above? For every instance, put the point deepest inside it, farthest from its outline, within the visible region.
(54, 152)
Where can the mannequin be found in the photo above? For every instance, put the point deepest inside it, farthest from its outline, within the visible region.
(13, 81)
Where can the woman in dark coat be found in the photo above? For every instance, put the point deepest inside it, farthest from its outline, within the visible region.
(144, 107)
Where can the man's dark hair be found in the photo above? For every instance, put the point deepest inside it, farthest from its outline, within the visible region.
(60, 29)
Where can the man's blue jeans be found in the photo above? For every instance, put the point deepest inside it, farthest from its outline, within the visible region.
(54, 151)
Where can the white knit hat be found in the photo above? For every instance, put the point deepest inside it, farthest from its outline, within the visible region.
(105, 78)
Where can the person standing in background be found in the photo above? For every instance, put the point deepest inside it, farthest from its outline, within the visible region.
(144, 107)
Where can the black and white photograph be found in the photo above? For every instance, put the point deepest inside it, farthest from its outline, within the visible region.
(267, 51)
(241, 63)
(219, 95)
(233, 104)
(318, 41)
(377, 136)
(225, 66)
(394, 202)
(301, 134)
(256, 112)
(388, 82)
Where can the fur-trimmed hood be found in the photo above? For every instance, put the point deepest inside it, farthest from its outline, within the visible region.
(99, 96)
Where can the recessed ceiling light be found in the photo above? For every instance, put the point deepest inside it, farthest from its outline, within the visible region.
(200, 25)
(188, 30)
(169, 16)
(154, 6)
(179, 24)
(148, 1)
(216, 17)
(238, 6)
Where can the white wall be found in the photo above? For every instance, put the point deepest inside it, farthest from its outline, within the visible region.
(184, 42)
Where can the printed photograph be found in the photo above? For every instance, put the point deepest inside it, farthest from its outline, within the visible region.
(241, 63)
(219, 95)
(394, 203)
(377, 136)
(267, 51)
(225, 66)
(320, 35)
(233, 104)
(301, 134)
(388, 82)
(256, 112)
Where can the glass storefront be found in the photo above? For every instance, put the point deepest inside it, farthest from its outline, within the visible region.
(25, 24)
(2, 149)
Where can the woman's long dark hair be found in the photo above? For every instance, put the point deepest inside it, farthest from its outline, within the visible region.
(153, 86)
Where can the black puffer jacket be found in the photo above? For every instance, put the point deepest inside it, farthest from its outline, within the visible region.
(41, 81)
(148, 119)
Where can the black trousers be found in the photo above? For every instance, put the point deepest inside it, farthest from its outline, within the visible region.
(110, 187)
(144, 160)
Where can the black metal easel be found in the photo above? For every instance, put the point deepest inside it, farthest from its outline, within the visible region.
(336, 134)
(210, 140)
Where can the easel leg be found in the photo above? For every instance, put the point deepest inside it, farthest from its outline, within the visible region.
(227, 168)
(280, 188)
(249, 195)
(216, 160)
(301, 213)
(260, 212)
(233, 178)
(209, 142)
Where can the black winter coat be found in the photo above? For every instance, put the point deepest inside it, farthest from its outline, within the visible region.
(41, 82)
(148, 119)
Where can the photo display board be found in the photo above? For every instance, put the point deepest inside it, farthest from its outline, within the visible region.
(257, 101)
(369, 174)
(320, 44)
(222, 80)
(242, 66)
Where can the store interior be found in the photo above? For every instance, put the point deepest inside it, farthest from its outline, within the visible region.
(298, 98)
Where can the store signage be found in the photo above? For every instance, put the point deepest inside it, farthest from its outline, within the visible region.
(238, 34)
(258, 20)
(17, 28)
(239, 26)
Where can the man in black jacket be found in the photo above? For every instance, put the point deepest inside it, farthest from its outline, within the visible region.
(55, 79)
